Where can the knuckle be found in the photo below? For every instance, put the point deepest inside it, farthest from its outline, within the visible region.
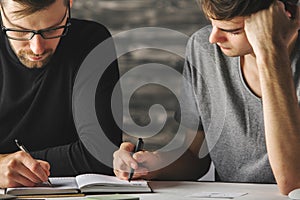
(20, 154)
(123, 167)
(12, 164)
(116, 154)
(9, 175)
(10, 183)
(34, 167)
(126, 146)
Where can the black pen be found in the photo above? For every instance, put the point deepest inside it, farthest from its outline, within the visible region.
(138, 147)
(23, 148)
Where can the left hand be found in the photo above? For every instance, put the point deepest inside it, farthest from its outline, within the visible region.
(141, 162)
(272, 27)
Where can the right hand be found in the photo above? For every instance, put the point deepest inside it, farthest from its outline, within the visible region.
(142, 162)
(271, 27)
(20, 169)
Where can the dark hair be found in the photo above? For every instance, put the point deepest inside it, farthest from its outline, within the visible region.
(32, 6)
(228, 9)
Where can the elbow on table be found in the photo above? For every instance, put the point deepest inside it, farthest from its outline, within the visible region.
(286, 185)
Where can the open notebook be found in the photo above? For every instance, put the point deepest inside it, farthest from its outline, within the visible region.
(85, 183)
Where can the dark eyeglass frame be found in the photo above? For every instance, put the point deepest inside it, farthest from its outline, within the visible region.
(38, 32)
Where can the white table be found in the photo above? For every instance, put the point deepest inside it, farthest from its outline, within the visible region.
(179, 190)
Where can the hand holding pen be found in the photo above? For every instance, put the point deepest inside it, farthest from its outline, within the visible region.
(138, 147)
(23, 148)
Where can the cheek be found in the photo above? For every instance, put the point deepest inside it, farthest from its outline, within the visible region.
(245, 45)
(25, 45)
(18, 45)
(241, 43)
(52, 44)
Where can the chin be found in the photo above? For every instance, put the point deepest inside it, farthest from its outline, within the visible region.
(230, 54)
(33, 65)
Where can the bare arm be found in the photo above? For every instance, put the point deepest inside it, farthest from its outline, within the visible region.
(154, 165)
(272, 46)
(188, 166)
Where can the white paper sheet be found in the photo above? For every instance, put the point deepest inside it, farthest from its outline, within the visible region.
(216, 195)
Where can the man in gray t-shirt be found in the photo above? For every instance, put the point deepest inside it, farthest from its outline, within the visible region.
(240, 99)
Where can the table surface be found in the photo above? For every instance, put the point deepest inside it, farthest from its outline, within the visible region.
(181, 190)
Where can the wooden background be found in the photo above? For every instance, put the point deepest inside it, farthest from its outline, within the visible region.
(184, 16)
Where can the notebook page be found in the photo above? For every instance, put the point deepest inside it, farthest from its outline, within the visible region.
(59, 185)
(63, 182)
(99, 179)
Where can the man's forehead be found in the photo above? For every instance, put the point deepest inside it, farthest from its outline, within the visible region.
(16, 10)
(11, 6)
(235, 21)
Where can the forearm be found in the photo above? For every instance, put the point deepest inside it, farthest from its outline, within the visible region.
(187, 167)
(281, 117)
(71, 159)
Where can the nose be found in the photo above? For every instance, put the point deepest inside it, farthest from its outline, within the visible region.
(216, 36)
(37, 44)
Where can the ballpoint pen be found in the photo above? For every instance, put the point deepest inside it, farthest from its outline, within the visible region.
(138, 147)
(23, 148)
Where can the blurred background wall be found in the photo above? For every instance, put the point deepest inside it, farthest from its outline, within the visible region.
(118, 16)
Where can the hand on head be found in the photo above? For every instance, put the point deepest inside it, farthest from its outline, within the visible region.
(275, 22)
(20, 169)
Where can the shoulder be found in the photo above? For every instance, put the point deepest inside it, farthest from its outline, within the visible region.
(83, 36)
(199, 42)
(200, 39)
(86, 29)
(199, 48)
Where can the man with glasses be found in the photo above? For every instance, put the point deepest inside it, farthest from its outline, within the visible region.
(41, 50)
(241, 99)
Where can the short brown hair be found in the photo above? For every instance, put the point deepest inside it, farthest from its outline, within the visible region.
(228, 9)
(32, 6)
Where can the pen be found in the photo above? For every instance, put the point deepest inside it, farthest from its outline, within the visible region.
(138, 147)
(23, 148)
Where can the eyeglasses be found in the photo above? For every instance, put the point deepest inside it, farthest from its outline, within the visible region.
(48, 33)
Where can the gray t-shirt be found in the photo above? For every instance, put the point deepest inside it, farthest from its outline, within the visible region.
(217, 100)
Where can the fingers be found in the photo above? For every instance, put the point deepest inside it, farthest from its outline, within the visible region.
(273, 24)
(46, 167)
(123, 159)
(13, 172)
(123, 162)
(146, 157)
(291, 8)
(33, 169)
(20, 169)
